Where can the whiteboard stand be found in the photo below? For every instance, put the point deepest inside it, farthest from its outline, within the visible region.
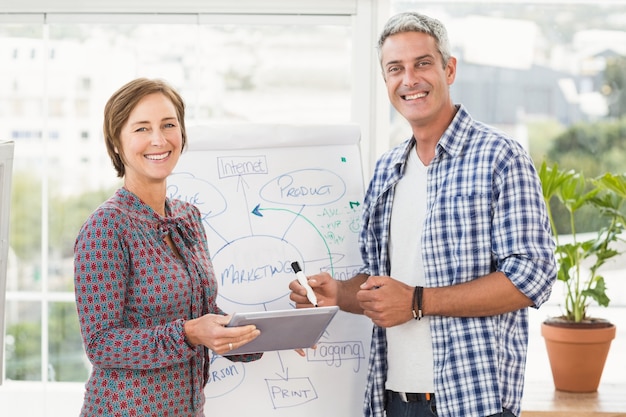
(6, 173)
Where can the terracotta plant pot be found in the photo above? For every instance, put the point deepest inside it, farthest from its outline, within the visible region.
(577, 354)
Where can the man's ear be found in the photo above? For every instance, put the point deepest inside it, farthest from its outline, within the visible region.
(451, 70)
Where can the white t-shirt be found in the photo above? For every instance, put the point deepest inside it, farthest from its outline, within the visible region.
(409, 347)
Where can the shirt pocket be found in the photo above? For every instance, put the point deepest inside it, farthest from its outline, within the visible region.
(470, 226)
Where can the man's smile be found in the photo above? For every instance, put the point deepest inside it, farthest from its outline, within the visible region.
(414, 96)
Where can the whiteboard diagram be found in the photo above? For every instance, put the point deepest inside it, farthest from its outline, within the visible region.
(270, 195)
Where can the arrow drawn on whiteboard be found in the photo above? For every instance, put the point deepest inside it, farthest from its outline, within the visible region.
(299, 214)
(241, 181)
(244, 185)
(257, 212)
(284, 377)
(283, 369)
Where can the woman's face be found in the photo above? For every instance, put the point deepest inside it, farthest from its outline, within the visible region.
(151, 141)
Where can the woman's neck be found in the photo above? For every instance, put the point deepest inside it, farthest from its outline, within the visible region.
(151, 194)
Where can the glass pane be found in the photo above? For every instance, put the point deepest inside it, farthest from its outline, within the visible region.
(67, 358)
(536, 69)
(24, 262)
(281, 74)
(21, 109)
(23, 341)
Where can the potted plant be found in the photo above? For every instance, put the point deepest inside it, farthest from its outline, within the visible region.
(578, 343)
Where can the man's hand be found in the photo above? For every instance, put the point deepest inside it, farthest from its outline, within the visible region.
(386, 301)
(324, 286)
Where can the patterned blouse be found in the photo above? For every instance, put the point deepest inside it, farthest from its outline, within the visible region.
(133, 296)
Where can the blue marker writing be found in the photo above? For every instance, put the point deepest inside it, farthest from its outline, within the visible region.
(304, 282)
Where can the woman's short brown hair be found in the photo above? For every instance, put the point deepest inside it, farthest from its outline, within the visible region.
(121, 104)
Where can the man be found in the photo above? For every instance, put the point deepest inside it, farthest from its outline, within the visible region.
(456, 246)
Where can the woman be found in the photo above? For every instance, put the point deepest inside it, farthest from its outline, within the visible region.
(144, 283)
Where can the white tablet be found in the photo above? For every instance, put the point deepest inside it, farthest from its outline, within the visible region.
(284, 329)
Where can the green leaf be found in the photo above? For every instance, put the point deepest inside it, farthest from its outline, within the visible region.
(598, 292)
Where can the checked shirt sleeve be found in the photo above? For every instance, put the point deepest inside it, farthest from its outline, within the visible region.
(522, 238)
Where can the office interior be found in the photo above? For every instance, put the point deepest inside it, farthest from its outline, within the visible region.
(528, 68)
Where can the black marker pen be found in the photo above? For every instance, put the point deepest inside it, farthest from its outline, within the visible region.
(304, 282)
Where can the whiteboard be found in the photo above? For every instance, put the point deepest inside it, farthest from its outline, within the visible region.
(6, 173)
(270, 195)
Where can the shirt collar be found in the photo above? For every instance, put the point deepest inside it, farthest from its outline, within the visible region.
(451, 142)
(453, 139)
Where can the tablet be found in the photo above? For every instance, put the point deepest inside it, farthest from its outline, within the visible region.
(284, 329)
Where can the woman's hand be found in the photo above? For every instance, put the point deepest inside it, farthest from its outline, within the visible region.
(210, 330)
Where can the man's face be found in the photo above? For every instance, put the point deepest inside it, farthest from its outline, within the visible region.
(417, 82)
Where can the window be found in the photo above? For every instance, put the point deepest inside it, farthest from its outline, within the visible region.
(284, 73)
(532, 66)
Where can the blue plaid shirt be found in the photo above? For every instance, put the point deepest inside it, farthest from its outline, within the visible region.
(485, 213)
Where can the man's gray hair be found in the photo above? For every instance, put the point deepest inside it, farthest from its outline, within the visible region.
(416, 22)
